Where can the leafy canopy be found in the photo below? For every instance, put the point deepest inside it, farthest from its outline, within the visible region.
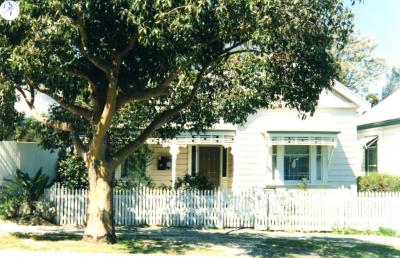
(124, 70)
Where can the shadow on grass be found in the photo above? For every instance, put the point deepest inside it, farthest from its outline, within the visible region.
(316, 246)
(182, 241)
(49, 236)
(155, 246)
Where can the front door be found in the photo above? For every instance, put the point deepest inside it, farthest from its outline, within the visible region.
(209, 163)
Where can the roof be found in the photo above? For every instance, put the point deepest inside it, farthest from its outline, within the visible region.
(352, 96)
(386, 113)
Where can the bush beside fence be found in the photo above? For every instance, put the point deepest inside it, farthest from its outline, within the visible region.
(252, 208)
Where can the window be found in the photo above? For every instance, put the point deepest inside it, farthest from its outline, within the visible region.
(297, 162)
(371, 157)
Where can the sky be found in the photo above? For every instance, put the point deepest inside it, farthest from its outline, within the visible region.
(380, 20)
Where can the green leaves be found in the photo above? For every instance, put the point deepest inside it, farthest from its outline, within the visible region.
(260, 53)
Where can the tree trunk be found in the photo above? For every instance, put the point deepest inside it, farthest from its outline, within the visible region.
(99, 218)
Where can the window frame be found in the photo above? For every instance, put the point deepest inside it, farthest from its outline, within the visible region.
(370, 147)
(280, 170)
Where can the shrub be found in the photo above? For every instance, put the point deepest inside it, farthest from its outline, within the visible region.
(20, 198)
(193, 182)
(387, 231)
(135, 167)
(71, 171)
(129, 184)
(378, 182)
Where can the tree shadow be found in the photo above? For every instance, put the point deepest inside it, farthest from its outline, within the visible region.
(262, 245)
(49, 236)
(180, 241)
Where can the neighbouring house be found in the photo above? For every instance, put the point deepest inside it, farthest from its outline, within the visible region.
(379, 136)
(26, 156)
(274, 148)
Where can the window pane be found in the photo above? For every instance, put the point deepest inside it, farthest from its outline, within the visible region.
(194, 160)
(319, 168)
(371, 158)
(319, 163)
(224, 161)
(274, 161)
(297, 149)
(297, 162)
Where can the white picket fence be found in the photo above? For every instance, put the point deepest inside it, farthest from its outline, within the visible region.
(252, 208)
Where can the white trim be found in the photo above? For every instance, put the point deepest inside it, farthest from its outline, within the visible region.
(368, 141)
(189, 148)
(352, 96)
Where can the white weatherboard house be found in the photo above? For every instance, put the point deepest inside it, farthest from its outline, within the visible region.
(379, 135)
(274, 148)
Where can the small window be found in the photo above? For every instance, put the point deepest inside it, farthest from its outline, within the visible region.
(297, 162)
(371, 157)
(164, 163)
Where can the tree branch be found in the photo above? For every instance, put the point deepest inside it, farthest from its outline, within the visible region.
(162, 118)
(149, 93)
(132, 43)
(100, 64)
(105, 118)
(92, 85)
(29, 102)
(77, 110)
(56, 125)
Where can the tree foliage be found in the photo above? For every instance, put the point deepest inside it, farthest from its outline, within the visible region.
(10, 118)
(359, 64)
(66, 49)
(393, 83)
(71, 171)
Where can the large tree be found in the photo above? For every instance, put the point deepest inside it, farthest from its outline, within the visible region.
(122, 71)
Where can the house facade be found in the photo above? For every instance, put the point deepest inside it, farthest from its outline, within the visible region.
(274, 148)
(379, 137)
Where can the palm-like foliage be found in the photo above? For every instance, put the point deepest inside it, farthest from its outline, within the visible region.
(24, 188)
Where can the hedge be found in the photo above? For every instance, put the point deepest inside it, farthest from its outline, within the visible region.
(378, 182)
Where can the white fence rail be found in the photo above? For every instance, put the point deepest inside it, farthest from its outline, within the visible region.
(253, 208)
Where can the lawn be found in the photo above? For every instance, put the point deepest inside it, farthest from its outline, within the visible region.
(205, 243)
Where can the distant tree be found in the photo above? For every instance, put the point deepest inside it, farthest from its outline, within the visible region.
(393, 84)
(372, 98)
(358, 63)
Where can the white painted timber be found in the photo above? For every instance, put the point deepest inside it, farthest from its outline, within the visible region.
(282, 209)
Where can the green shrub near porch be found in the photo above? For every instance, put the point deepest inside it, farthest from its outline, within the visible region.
(378, 182)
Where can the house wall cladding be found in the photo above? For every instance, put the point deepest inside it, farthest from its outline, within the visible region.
(28, 157)
(164, 176)
(254, 157)
(388, 143)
